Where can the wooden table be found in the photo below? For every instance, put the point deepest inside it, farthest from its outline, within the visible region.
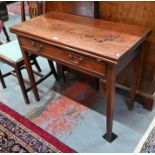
(96, 47)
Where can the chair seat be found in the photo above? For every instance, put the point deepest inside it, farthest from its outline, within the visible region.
(11, 51)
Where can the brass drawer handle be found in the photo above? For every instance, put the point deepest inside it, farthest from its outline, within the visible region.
(37, 47)
(73, 61)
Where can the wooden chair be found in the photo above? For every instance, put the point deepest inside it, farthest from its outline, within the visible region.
(10, 53)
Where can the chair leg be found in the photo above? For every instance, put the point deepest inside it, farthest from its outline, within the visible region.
(22, 85)
(36, 64)
(61, 71)
(6, 34)
(53, 69)
(2, 80)
(97, 83)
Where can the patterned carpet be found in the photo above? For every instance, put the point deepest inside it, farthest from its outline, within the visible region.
(19, 135)
(147, 143)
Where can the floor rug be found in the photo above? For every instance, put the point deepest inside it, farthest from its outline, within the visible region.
(65, 111)
(18, 134)
(147, 143)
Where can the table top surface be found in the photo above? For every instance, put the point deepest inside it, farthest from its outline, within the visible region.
(106, 39)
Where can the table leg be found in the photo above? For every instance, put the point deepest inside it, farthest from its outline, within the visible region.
(110, 91)
(30, 73)
(133, 83)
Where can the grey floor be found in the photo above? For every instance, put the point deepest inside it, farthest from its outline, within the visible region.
(87, 135)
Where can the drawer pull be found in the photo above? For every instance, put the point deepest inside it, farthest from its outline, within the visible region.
(73, 61)
(37, 47)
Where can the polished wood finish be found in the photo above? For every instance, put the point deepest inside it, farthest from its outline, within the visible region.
(137, 13)
(81, 8)
(97, 42)
(87, 9)
(75, 33)
(84, 64)
(110, 91)
(142, 14)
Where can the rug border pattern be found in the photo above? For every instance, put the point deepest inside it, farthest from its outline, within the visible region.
(144, 138)
(30, 132)
(22, 121)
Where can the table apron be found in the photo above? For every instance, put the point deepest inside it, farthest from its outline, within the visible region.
(94, 67)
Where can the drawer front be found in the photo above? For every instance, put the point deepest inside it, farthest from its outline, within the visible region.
(64, 56)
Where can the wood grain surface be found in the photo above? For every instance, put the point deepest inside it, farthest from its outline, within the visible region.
(103, 38)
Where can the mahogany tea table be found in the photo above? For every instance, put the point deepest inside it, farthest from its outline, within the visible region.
(96, 47)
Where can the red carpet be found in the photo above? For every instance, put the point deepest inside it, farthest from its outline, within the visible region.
(17, 134)
(63, 113)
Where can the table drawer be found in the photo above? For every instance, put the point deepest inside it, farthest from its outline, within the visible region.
(72, 60)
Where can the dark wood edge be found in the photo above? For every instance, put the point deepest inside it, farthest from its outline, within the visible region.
(8, 61)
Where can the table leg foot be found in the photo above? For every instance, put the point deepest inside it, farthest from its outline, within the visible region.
(38, 99)
(130, 108)
(110, 138)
